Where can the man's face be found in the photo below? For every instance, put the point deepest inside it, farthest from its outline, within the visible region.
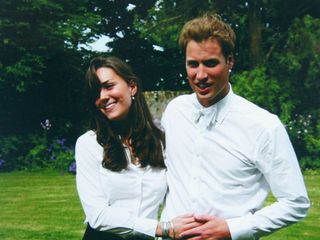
(208, 70)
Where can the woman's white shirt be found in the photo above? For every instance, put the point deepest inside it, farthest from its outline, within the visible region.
(128, 199)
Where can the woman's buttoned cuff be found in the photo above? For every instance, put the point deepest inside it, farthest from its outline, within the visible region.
(146, 226)
(240, 228)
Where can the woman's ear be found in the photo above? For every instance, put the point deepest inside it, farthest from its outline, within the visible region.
(133, 88)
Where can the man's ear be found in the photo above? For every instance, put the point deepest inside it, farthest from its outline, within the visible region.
(230, 60)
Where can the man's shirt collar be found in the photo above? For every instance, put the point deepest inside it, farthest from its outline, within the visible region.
(215, 113)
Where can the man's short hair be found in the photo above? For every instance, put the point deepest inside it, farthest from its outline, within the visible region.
(208, 26)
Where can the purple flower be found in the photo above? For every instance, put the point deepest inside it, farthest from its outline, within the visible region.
(73, 167)
(2, 162)
(61, 141)
(50, 148)
(52, 157)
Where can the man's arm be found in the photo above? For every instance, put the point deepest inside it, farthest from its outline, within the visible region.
(277, 161)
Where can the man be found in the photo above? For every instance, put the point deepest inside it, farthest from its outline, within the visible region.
(224, 154)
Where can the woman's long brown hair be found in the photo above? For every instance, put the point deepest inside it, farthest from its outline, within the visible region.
(147, 140)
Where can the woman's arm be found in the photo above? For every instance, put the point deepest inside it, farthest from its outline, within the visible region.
(99, 214)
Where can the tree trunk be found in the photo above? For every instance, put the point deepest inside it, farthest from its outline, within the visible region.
(255, 27)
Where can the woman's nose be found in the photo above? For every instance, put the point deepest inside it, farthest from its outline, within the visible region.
(103, 98)
(103, 93)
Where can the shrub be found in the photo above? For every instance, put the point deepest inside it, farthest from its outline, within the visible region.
(312, 143)
(2, 162)
(263, 90)
(304, 131)
(13, 152)
(61, 155)
(34, 151)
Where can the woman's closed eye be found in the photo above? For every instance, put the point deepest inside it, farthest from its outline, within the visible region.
(107, 86)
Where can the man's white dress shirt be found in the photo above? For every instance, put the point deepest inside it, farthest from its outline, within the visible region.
(223, 160)
(128, 199)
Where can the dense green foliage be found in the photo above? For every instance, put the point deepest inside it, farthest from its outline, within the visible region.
(44, 205)
(288, 84)
(36, 151)
(43, 59)
(40, 64)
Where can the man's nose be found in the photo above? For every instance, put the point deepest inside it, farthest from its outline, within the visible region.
(201, 72)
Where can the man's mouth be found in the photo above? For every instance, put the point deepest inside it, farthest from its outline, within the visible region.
(203, 85)
(203, 88)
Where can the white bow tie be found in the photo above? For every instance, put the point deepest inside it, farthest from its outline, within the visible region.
(205, 117)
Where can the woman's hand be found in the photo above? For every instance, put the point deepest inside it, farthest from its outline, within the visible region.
(181, 224)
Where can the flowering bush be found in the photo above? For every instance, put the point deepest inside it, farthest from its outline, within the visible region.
(304, 131)
(312, 143)
(2, 162)
(73, 167)
(300, 126)
(60, 155)
(35, 151)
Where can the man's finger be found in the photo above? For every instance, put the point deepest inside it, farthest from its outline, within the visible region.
(203, 218)
(186, 220)
(193, 225)
(191, 232)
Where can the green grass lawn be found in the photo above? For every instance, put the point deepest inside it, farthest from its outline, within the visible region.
(44, 205)
(39, 205)
(308, 228)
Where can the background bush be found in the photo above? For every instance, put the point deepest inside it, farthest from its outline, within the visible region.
(36, 151)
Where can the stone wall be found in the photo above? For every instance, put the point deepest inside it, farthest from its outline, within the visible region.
(158, 100)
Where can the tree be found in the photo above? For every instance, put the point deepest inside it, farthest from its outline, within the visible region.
(39, 60)
(259, 24)
(118, 24)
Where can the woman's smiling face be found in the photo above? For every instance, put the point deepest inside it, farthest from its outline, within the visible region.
(115, 94)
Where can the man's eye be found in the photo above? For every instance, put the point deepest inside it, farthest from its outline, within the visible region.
(192, 64)
(211, 63)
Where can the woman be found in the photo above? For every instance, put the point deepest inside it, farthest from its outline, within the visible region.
(120, 167)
